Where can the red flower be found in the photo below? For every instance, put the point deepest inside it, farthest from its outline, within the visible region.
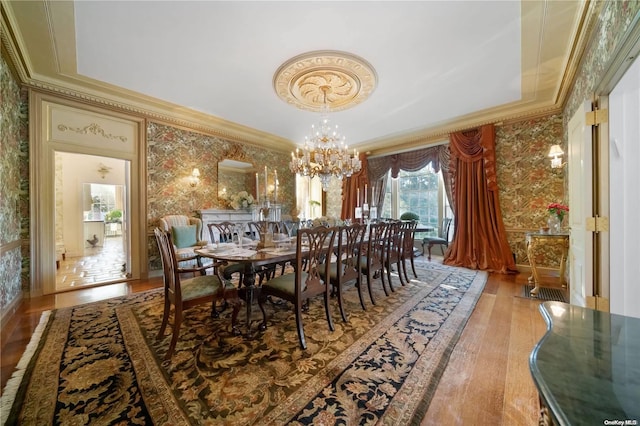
(558, 209)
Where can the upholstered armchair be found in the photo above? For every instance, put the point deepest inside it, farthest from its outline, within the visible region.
(186, 236)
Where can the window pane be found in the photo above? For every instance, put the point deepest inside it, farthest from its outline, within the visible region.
(418, 193)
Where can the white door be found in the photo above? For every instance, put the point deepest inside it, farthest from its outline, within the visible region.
(580, 207)
(624, 197)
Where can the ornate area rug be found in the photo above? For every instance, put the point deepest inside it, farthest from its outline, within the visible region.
(100, 363)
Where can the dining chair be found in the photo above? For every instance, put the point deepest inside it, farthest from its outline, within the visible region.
(313, 249)
(441, 240)
(258, 230)
(346, 268)
(372, 258)
(224, 232)
(183, 294)
(393, 251)
(408, 229)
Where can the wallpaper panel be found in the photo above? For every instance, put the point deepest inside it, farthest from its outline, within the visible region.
(14, 185)
(615, 19)
(173, 153)
(527, 182)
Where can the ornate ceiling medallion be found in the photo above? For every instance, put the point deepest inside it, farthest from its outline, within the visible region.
(345, 79)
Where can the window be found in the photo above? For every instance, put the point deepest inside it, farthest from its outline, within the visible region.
(420, 192)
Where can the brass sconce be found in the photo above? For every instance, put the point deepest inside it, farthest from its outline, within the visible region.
(556, 153)
(194, 179)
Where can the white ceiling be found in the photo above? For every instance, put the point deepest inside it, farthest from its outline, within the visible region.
(440, 64)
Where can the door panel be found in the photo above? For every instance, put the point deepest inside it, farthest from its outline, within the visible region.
(624, 157)
(580, 206)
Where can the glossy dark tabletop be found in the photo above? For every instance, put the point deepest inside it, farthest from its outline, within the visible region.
(587, 366)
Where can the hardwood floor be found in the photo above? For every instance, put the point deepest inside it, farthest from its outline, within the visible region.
(486, 382)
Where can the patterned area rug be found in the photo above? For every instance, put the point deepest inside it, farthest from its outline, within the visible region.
(100, 363)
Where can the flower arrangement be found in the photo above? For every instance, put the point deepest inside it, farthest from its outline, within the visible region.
(241, 200)
(558, 209)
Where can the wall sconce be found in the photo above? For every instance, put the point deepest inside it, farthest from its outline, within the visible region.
(194, 179)
(556, 153)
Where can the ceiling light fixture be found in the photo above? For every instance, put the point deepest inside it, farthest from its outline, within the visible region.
(324, 153)
(315, 81)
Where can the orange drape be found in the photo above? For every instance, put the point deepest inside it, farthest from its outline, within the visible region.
(349, 189)
(479, 240)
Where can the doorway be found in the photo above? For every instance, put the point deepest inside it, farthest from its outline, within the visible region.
(91, 223)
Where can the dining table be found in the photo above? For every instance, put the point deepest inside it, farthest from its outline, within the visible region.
(252, 257)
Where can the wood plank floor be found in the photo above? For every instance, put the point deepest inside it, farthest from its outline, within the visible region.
(487, 380)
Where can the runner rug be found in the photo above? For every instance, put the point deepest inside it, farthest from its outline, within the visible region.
(101, 364)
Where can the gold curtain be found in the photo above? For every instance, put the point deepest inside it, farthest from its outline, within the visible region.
(479, 240)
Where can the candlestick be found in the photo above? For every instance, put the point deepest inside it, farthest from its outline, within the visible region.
(257, 189)
(266, 181)
(358, 198)
(365, 193)
(275, 184)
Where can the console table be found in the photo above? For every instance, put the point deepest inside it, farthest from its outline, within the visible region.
(538, 239)
(586, 367)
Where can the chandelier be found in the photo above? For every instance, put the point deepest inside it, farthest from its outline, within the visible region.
(324, 153)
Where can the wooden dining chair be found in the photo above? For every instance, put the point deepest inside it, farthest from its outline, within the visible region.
(346, 268)
(372, 258)
(183, 294)
(392, 251)
(257, 230)
(224, 232)
(408, 230)
(441, 240)
(306, 282)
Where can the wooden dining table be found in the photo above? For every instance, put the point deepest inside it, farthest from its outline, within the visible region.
(252, 258)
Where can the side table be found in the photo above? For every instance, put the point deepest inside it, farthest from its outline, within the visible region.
(538, 239)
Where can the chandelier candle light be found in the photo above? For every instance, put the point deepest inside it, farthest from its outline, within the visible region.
(324, 153)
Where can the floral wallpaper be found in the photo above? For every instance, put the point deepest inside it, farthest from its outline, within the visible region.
(609, 32)
(526, 181)
(173, 153)
(14, 189)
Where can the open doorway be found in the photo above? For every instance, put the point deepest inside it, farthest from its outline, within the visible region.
(92, 241)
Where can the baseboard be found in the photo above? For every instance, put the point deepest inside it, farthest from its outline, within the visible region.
(9, 312)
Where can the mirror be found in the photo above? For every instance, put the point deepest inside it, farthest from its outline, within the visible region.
(235, 176)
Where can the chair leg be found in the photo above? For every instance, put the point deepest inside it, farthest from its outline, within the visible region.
(384, 284)
(165, 318)
(388, 268)
(360, 295)
(340, 305)
(373, 302)
(177, 321)
(404, 270)
(303, 343)
(429, 248)
(442, 246)
(327, 311)
(413, 268)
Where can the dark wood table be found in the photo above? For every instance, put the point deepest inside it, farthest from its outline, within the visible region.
(251, 258)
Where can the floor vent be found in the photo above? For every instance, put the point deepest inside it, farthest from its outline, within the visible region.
(545, 293)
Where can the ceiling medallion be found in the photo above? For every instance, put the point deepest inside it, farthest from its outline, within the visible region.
(325, 77)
